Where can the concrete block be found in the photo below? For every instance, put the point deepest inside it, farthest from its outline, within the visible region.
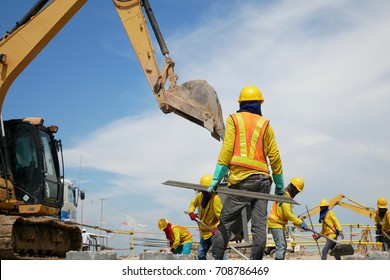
(150, 255)
(87, 255)
(185, 257)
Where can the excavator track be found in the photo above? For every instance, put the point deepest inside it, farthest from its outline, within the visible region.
(37, 238)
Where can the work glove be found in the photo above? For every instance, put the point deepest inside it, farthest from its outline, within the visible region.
(341, 234)
(316, 236)
(172, 250)
(220, 172)
(214, 231)
(193, 216)
(279, 184)
(304, 226)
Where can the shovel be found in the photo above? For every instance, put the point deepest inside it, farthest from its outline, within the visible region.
(340, 249)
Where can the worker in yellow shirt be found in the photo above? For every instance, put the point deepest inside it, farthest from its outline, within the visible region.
(210, 206)
(248, 149)
(180, 239)
(279, 216)
(382, 222)
(330, 228)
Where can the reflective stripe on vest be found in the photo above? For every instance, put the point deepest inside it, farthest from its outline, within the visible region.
(273, 215)
(248, 145)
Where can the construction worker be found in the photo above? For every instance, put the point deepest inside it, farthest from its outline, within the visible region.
(382, 222)
(279, 216)
(330, 228)
(249, 144)
(210, 206)
(87, 241)
(180, 239)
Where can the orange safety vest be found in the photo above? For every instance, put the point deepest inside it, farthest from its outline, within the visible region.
(248, 144)
(273, 215)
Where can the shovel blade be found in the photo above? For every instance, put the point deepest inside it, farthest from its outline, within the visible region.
(342, 250)
(197, 102)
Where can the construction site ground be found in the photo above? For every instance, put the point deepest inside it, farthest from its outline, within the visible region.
(158, 255)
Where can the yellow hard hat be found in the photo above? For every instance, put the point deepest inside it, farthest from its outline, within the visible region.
(162, 224)
(324, 202)
(298, 183)
(250, 93)
(206, 180)
(381, 203)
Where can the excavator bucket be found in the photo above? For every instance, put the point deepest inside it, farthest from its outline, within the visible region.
(198, 102)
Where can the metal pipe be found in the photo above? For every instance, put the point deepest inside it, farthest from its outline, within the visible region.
(312, 227)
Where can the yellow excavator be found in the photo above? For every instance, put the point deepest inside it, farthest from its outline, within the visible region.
(31, 163)
(352, 205)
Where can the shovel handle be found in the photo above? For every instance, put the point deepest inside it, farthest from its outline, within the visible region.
(199, 221)
(327, 237)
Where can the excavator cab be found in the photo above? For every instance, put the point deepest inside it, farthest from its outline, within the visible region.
(195, 100)
(32, 157)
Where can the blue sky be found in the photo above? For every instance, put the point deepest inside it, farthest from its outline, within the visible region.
(323, 68)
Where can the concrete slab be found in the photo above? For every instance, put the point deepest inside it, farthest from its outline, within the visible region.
(87, 255)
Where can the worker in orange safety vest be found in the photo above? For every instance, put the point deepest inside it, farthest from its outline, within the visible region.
(279, 216)
(249, 151)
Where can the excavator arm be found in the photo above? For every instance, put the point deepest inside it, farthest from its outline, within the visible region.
(194, 100)
(353, 206)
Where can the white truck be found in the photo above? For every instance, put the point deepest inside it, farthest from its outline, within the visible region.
(71, 197)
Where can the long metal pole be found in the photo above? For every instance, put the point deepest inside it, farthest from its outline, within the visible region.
(312, 227)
